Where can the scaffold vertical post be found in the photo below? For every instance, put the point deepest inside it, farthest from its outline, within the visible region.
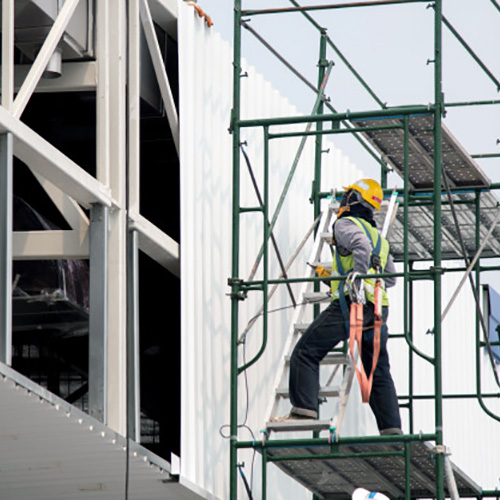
(233, 490)
(264, 473)
(411, 364)
(267, 237)
(322, 64)
(318, 156)
(438, 113)
(406, 256)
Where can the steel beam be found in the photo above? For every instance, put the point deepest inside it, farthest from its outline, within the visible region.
(68, 207)
(98, 312)
(50, 163)
(41, 61)
(78, 76)
(156, 244)
(161, 73)
(6, 213)
(165, 13)
(43, 245)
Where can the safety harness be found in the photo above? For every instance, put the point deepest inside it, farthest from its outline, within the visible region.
(354, 319)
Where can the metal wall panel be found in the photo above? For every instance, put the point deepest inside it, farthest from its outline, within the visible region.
(472, 435)
(205, 74)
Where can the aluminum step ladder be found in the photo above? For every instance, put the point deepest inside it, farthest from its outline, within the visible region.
(340, 363)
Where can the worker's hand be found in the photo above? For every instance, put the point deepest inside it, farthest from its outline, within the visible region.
(355, 287)
(375, 261)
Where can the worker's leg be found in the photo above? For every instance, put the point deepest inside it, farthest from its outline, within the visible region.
(383, 398)
(327, 330)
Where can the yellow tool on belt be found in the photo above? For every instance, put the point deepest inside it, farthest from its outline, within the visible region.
(322, 271)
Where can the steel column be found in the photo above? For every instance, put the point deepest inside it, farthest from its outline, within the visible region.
(134, 105)
(6, 215)
(133, 196)
(7, 54)
(111, 171)
(98, 312)
(133, 366)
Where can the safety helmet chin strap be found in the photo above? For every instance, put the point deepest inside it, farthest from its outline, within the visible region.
(348, 202)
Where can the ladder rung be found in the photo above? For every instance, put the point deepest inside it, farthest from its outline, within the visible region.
(327, 237)
(298, 425)
(327, 265)
(324, 392)
(316, 297)
(301, 327)
(332, 358)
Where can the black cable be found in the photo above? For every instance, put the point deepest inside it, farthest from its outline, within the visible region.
(244, 426)
(245, 482)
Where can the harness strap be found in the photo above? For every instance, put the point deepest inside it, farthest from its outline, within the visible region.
(343, 302)
(356, 337)
(356, 323)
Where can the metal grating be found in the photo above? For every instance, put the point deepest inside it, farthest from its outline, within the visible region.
(462, 172)
(461, 169)
(421, 228)
(336, 478)
(48, 312)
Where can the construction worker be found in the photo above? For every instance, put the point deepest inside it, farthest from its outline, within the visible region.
(358, 248)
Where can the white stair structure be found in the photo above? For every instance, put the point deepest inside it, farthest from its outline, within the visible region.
(340, 364)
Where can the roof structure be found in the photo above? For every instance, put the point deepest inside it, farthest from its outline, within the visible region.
(53, 451)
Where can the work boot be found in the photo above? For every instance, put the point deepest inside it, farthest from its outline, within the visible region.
(391, 431)
(297, 414)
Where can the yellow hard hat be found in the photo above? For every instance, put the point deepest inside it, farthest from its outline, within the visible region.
(370, 191)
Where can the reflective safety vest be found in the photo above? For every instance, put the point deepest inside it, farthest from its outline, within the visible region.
(343, 265)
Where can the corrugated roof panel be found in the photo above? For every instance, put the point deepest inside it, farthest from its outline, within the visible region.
(50, 450)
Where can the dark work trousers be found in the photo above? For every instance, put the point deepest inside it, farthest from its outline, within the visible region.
(324, 333)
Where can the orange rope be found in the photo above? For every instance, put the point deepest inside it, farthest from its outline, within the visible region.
(208, 19)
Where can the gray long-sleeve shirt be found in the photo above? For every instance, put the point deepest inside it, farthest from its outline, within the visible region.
(349, 238)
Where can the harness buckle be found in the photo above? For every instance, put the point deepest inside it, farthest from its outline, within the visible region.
(355, 288)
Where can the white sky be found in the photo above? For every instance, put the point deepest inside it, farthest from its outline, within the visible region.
(389, 46)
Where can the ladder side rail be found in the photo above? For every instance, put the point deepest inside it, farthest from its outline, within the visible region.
(299, 312)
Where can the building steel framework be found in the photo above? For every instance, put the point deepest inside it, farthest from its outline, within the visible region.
(441, 199)
(113, 233)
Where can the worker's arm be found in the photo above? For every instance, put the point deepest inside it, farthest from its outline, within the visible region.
(349, 238)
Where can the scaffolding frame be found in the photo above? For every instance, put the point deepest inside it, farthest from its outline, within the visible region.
(435, 198)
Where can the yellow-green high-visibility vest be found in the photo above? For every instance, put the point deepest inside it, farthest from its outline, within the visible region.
(343, 265)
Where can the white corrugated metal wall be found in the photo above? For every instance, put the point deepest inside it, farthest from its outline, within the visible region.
(206, 184)
(472, 435)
